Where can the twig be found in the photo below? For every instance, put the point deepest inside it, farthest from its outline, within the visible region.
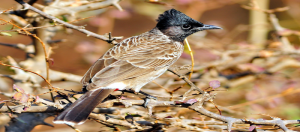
(45, 53)
(286, 45)
(78, 28)
(28, 71)
(193, 86)
(198, 107)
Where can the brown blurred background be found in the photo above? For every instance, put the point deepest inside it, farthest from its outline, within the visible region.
(79, 52)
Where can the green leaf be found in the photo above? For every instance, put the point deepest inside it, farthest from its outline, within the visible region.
(64, 18)
(5, 34)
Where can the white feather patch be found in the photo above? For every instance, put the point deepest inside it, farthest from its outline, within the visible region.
(117, 85)
(59, 122)
(66, 122)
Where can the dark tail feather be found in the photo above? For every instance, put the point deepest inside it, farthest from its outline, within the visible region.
(79, 111)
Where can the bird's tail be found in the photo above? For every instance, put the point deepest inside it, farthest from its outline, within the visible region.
(79, 111)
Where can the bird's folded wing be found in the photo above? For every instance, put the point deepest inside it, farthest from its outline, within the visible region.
(130, 62)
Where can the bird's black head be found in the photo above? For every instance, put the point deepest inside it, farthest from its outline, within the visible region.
(178, 26)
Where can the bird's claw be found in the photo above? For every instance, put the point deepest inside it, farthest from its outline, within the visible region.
(147, 99)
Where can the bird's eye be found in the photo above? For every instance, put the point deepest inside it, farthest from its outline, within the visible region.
(186, 26)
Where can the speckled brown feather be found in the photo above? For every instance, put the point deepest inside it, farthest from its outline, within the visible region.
(133, 63)
(132, 58)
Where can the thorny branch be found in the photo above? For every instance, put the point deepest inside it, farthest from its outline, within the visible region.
(197, 102)
(78, 28)
(198, 107)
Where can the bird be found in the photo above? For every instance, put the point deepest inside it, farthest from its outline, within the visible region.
(132, 63)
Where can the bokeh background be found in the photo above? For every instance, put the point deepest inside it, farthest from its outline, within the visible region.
(265, 94)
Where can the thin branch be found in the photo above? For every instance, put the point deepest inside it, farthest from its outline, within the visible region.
(60, 8)
(78, 28)
(193, 86)
(28, 71)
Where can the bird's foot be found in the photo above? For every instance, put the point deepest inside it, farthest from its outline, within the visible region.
(147, 99)
(148, 95)
(141, 92)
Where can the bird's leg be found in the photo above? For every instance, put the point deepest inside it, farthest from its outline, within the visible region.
(146, 100)
(141, 92)
(127, 91)
(148, 95)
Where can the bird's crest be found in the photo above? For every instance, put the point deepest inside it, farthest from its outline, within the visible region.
(169, 14)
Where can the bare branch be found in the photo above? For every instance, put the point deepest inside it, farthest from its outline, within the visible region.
(78, 28)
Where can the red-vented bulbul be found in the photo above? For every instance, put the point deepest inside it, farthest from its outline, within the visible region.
(133, 63)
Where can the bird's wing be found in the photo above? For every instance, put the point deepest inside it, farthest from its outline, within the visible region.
(132, 58)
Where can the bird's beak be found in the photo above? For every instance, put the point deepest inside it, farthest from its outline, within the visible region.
(207, 27)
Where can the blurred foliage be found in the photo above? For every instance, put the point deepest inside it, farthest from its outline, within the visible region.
(78, 53)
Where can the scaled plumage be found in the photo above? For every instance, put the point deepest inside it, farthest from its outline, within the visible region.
(133, 63)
